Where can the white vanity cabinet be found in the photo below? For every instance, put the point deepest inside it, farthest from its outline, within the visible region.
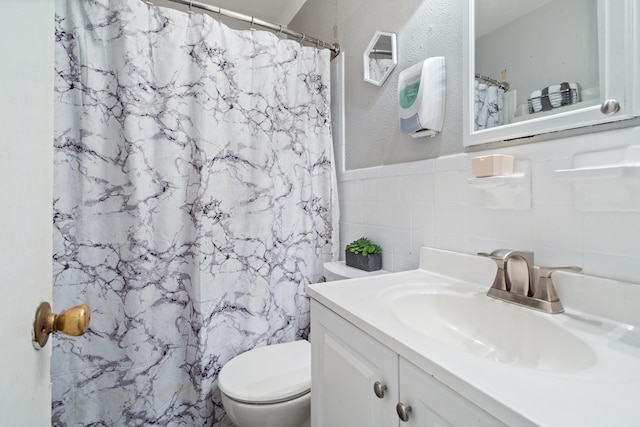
(347, 363)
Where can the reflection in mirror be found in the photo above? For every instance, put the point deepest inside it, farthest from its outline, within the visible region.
(380, 58)
(569, 64)
(547, 50)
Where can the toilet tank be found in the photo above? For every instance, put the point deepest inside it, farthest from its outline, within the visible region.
(338, 270)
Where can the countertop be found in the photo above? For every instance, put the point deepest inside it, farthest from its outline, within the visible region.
(605, 393)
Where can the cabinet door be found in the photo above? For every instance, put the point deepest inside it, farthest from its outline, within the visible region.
(346, 363)
(433, 404)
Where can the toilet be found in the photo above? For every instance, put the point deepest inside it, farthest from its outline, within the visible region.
(339, 270)
(270, 386)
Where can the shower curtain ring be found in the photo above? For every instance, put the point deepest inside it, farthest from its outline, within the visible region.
(303, 37)
(190, 4)
(280, 30)
(251, 24)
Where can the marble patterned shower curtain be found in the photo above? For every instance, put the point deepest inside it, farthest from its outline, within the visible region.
(194, 198)
(489, 105)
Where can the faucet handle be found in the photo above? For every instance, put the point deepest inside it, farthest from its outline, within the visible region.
(545, 289)
(546, 271)
(500, 282)
(509, 253)
(499, 260)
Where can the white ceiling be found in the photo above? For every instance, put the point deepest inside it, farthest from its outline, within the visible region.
(490, 14)
(275, 11)
(493, 14)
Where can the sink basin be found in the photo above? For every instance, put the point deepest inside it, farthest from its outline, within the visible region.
(494, 330)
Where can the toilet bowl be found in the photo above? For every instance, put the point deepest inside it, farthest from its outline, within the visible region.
(339, 270)
(270, 386)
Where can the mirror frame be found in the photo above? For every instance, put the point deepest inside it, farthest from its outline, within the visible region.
(618, 76)
(394, 57)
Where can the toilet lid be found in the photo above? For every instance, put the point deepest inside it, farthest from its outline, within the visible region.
(269, 374)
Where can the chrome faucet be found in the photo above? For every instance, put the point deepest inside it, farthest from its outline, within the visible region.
(515, 271)
(514, 281)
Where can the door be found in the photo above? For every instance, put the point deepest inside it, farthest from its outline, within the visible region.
(26, 165)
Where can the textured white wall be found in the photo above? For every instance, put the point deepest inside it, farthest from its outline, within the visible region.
(425, 29)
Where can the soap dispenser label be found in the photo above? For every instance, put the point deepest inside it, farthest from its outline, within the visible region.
(409, 93)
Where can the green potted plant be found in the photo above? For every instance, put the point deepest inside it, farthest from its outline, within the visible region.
(364, 254)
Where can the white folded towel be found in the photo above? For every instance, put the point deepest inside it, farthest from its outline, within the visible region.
(553, 96)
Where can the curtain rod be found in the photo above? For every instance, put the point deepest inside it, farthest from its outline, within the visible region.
(320, 44)
(502, 85)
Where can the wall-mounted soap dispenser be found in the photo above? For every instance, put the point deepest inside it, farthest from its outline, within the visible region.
(421, 96)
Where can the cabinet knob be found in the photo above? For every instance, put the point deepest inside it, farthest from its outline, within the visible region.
(403, 411)
(610, 106)
(379, 389)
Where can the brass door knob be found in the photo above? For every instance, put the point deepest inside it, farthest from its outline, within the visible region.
(74, 321)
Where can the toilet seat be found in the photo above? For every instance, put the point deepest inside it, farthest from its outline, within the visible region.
(270, 374)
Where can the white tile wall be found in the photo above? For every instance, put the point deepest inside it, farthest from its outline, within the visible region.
(403, 207)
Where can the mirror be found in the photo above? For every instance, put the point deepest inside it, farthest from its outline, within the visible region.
(547, 50)
(380, 58)
(539, 66)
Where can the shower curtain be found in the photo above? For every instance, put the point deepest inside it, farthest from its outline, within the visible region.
(489, 101)
(194, 199)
